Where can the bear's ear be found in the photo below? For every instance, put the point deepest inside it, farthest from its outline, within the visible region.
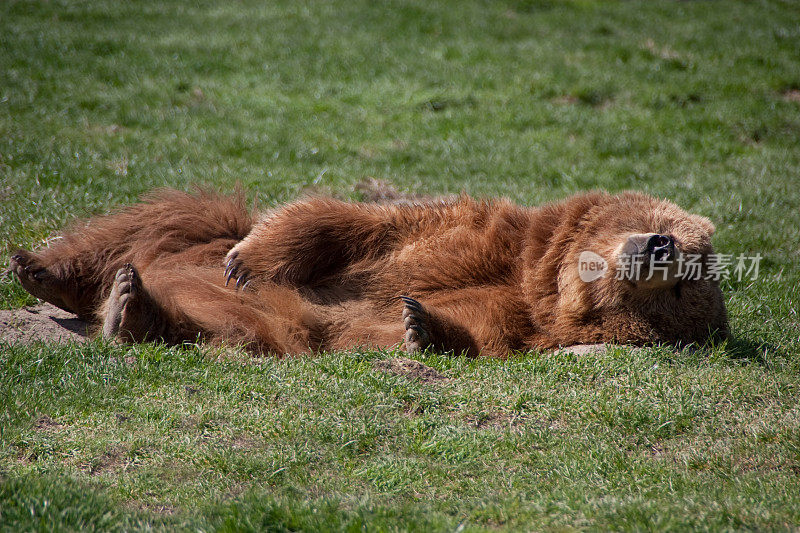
(704, 223)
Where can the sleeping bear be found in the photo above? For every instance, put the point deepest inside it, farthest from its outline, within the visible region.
(478, 277)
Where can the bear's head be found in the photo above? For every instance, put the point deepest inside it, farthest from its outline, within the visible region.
(649, 258)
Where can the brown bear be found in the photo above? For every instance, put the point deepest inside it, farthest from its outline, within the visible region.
(478, 277)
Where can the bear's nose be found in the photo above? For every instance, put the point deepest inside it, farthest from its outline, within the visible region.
(661, 247)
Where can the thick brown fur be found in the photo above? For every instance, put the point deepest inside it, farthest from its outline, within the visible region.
(481, 277)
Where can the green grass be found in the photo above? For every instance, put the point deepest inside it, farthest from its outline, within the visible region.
(534, 100)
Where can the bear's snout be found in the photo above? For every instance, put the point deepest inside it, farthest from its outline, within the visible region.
(661, 247)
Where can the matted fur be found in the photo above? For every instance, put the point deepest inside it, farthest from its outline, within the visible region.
(323, 274)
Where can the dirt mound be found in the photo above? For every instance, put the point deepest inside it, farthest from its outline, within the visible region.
(43, 322)
(371, 190)
(584, 349)
(375, 190)
(410, 369)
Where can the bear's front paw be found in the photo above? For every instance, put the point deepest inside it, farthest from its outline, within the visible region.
(235, 269)
(415, 320)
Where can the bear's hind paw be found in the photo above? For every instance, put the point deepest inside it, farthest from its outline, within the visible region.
(125, 289)
(415, 320)
(36, 278)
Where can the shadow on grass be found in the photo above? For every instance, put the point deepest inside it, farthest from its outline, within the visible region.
(755, 351)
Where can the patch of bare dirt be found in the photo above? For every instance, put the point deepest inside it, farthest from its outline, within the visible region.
(566, 99)
(198, 95)
(43, 322)
(244, 442)
(792, 95)
(381, 191)
(106, 129)
(663, 52)
(411, 369)
(112, 459)
(190, 422)
(584, 349)
(45, 423)
(369, 190)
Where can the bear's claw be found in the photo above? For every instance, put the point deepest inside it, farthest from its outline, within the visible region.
(415, 320)
(20, 267)
(24, 267)
(412, 304)
(234, 270)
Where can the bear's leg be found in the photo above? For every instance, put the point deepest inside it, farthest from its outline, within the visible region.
(77, 270)
(311, 240)
(186, 304)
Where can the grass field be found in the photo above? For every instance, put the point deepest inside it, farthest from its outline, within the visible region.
(699, 102)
